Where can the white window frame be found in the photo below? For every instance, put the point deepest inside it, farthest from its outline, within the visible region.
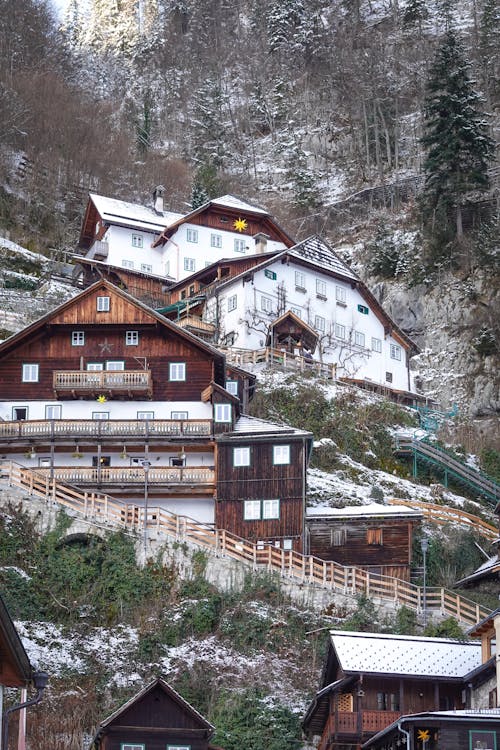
(103, 303)
(137, 240)
(339, 331)
(239, 245)
(100, 415)
(127, 263)
(287, 544)
(359, 338)
(376, 345)
(270, 509)
(300, 280)
(232, 302)
(396, 352)
(223, 413)
(179, 415)
(132, 746)
(321, 288)
(177, 372)
(216, 240)
(281, 455)
(115, 365)
(77, 338)
(266, 304)
(178, 747)
(15, 418)
(190, 264)
(319, 323)
(191, 235)
(30, 372)
(232, 387)
(131, 338)
(241, 456)
(340, 295)
(251, 510)
(56, 409)
(143, 415)
(95, 366)
(146, 268)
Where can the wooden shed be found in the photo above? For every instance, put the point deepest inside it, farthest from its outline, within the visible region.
(375, 537)
(156, 718)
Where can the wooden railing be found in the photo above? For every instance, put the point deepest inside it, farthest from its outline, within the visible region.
(106, 380)
(442, 514)
(279, 358)
(107, 428)
(288, 563)
(349, 723)
(190, 475)
(191, 321)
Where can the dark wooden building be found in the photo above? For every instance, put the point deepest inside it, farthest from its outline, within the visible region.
(375, 537)
(156, 718)
(369, 680)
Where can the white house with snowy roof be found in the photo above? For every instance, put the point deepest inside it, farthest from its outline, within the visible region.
(304, 300)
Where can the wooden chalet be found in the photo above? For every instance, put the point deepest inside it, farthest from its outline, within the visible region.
(106, 394)
(490, 569)
(375, 537)
(156, 718)
(150, 289)
(371, 680)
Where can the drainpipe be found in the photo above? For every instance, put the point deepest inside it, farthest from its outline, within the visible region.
(408, 736)
(40, 680)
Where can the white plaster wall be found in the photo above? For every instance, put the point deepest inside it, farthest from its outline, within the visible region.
(76, 409)
(158, 460)
(251, 322)
(178, 249)
(120, 248)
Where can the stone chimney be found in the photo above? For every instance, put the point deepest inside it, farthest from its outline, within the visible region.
(158, 194)
(261, 242)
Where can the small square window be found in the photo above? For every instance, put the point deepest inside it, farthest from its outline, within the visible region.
(131, 746)
(137, 240)
(95, 366)
(177, 371)
(241, 456)
(251, 510)
(363, 309)
(388, 377)
(143, 415)
(395, 352)
(178, 415)
(239, 246)
(270, 509)
(100, 415)
(300, 281)
(359, 338)
(281, 454)
(339, 331)
(376, 345)
(288, 544)
(340, 295)
(216, 240)
(103, 304)
(127, 263)
(115, 365)
(232, 303)
(192, 235)
(222, 413)
(53, 411)
(189, 264)
(146, 268)
(319, 323)
(374, 536)
(266, 304)
(296, 311)
(131, 338)
(30, 373)
(232, 387)
(321, 288)
(77, 338)
(19, 413)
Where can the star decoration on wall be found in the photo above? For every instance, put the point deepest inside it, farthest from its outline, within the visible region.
(105, 346)
(240, 225)
(423, 735)
(101, 399)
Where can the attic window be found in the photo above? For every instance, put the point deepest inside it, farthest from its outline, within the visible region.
(223, 219)
(103, 304)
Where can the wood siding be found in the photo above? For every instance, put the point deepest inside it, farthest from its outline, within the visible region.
(262, 480)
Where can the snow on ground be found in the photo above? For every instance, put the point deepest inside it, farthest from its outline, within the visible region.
(14, 247)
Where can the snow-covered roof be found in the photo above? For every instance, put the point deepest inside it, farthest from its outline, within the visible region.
(232, 202)
(255, 426)
(405, 655)
(133, 214)
(316, 251)
(491, 565)
(371, 510)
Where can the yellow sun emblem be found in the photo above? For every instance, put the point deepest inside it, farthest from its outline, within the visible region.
(423, 735)
(240, 225)
(101, 399)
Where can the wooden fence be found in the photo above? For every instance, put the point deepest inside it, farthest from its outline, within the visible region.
(288, 563)
(278, 358)
(442, 514)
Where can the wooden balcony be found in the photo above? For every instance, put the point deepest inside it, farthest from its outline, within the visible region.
(106, 382)
(107, 429)
(196, 325)
(100, 250)
(354, 727)
(183, 479)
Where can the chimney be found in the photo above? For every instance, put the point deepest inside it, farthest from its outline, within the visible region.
(158, 194)
(261, 242)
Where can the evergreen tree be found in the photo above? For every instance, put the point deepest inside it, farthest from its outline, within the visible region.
(414, 14)
(455, 136)
(489, 48)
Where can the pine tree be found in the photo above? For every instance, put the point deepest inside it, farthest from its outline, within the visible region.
(489, 48)
(414, 14)
(455, 136)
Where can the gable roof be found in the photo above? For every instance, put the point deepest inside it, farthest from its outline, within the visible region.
(171, 693)
(415, 656)
(15, 668)
(370, 510)
(17, 338)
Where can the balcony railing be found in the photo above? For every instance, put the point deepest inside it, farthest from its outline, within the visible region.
(105, 381)
(191, 321)
(100, 250)
(349, 724)
(106, 428)
(165, 475)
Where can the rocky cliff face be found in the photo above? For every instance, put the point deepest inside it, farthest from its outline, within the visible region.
(456, 323)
